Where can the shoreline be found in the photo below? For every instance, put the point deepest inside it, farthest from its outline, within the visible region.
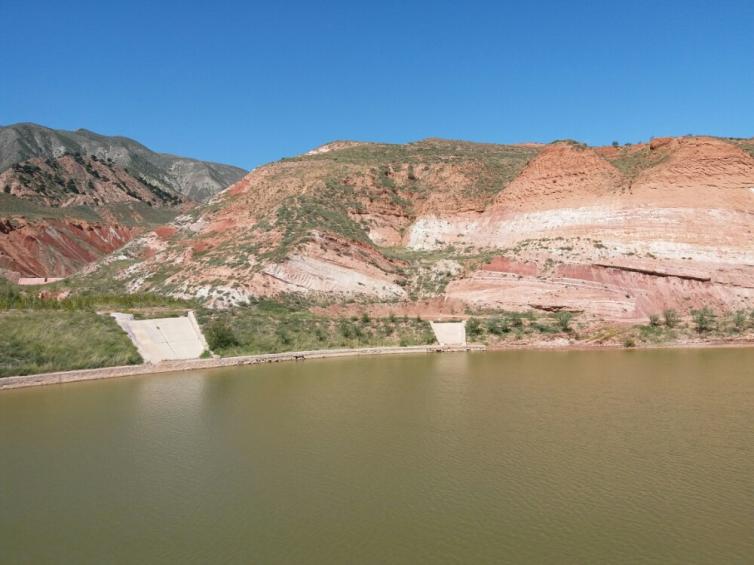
(576, 346)
(100, 373)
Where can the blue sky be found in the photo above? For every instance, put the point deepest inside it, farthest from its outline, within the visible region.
(250, 82)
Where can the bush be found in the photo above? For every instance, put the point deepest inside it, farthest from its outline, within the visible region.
(284, 337)
(517, 320)
(739, 320)
(671, 317)
(346, 329)
(629, 342)
(704, 319)
(654, 320)
(498, 326)
(564, 320)
(220, 336)
(473, 327)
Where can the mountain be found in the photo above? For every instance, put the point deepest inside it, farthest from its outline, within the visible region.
(69, 198)
(197, 180)
(76, 180)
(616, 232)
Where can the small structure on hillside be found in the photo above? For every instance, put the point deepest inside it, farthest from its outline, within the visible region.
(162, 339)
(449, 333)
(31, 281)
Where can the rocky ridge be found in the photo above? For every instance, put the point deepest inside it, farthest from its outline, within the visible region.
(194, 179)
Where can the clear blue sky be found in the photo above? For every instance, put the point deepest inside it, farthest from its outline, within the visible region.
(249, 82)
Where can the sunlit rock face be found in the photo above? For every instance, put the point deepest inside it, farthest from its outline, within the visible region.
(616, 232)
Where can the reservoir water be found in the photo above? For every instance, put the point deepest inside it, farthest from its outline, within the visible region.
(510, 457)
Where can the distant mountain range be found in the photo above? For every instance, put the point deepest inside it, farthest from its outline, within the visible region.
(196, 180)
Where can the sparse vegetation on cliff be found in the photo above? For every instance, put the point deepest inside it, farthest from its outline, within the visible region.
(632, 160)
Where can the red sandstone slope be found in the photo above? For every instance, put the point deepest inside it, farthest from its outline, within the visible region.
(58, 215)
(677, 233)
(562, 175)
(57, 247)
(619, 232)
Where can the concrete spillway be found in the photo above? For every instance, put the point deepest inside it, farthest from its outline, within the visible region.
(162, 339)
(449, 333)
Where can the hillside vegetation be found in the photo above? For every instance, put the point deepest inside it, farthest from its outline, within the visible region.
(36, 341)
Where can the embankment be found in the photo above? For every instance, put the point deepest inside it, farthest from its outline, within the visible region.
(62, 377)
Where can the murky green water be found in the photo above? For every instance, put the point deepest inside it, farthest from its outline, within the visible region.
(517, 457)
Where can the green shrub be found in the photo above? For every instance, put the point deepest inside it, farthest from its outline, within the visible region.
(544, 328)
(739, 320)
(564, 320)
(671, 317)
(346, 329)
(220, 335)
(654, 320)
(473, 327)
(284, 337)
(704, 319)
(498, 325)
(516, 320)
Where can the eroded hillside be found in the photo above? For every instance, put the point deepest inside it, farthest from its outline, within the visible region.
(618, 232)
(58, 215)
(69, 198)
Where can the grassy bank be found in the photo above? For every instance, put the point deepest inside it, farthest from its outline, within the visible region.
(272, 327)
(670, 327)
(46, 334)
(39, 341)
(39, 334)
